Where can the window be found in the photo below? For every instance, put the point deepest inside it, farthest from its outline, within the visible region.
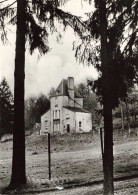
(67, 117)
(56, 126)
(46, 125)
(56, 102)
(56, 114)
(68, 128)
(80, 125)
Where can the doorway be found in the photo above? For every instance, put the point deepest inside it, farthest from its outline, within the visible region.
(56, 125)
(68, 128)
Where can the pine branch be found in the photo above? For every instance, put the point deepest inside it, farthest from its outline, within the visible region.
(8, 6)
(3, 35)
(129, 36)
(13, 20)
(71, 20)
(3, 1)
(66, 18)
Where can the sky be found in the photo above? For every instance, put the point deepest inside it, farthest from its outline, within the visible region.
(43, 73)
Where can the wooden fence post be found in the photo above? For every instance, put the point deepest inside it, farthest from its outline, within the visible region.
(101, 138)
(49, 157)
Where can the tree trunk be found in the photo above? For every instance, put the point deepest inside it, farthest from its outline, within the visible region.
(18, 160)
(107, 102)
(108, 150)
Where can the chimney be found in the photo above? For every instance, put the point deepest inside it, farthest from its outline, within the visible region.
(70, 84)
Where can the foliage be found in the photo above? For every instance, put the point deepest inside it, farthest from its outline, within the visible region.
(121, 46)
(41, 106)
(114, 54)
(43, 17)
(35, 107)
(51, 92)
(89, 98)
(29, 112)
(129, 108)
(34, 19)
(6, 108)
(91, 103)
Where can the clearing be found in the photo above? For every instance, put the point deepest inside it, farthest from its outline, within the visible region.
(75, 159)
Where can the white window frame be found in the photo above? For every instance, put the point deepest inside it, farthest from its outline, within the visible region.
(56, 114)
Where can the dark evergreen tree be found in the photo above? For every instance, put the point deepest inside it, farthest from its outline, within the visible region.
(30, 112)
(113, 27)
(6, 108)
(91, 102)
(34, 20)
(41, 106)
(18, 160)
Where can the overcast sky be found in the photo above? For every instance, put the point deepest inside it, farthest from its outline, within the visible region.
(47, 71)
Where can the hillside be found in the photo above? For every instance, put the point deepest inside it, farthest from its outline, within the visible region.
(75, 159)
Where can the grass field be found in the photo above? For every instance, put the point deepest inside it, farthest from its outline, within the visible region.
(75, 158)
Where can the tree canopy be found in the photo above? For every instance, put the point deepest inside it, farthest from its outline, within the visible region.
(43, 17)
(122, 43)
(35, 107)
(34, 19)
(91, 103)
(111, 46)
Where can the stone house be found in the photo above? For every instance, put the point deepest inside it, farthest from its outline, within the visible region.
(66, 113)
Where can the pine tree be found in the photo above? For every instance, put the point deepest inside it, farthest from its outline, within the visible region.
(30, 111)
(6, 108)
(113, 28)
(18, 160)
(91, 103)
(34, 20)
(41, 106)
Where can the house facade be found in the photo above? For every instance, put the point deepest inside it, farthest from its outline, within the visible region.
(66, 113)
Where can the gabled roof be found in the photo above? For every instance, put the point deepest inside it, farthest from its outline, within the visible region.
(62, 89)
(74, 109)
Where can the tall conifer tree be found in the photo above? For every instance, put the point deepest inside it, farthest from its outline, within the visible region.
(6, 108)
(112, 26)
(34, 20)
